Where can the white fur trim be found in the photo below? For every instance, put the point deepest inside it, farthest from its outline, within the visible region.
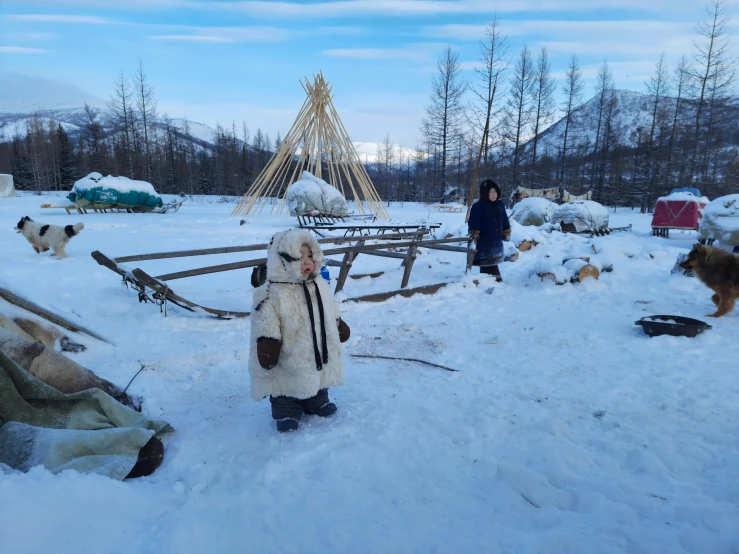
(283, 315)
(290, 242)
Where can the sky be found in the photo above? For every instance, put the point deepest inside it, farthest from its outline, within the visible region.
(234, 61)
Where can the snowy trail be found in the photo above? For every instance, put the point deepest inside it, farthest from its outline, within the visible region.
(565, 430)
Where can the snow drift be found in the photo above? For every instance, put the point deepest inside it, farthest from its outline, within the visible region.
(721, 220)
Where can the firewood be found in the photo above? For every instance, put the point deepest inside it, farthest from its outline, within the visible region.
(586, 259)
(524, 246)
(580, 269)
(588, 271)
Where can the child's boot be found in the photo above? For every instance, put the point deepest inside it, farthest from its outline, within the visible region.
(287, 424)
(319, 405)
(286, 411)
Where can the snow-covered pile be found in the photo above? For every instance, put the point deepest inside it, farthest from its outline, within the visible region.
(563, 255)
(721, 220)
(533, 211)
(585, 215)
(521, 233)
(683, 196)
(120, 184)
(7, 189)
(311, 194)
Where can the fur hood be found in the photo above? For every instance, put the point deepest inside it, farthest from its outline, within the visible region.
(283, 256)
(294, 313)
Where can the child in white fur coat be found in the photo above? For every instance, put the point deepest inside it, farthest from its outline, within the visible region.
(296, 332)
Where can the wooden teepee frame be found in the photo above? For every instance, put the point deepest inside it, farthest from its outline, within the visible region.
(325, 148)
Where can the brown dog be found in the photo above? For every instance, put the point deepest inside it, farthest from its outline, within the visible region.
(719, 271)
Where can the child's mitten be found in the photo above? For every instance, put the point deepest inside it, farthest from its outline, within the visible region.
(268, 352)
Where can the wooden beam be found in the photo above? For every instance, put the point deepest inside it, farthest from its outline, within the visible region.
(370, 275)
(382, 296)
(251, 247)
(187, 253)
(383, 254)
(371, 249)
(346, 265)
(32, 307)
(462, 249)
(408, 266)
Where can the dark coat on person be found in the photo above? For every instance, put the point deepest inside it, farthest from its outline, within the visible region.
(490, 221)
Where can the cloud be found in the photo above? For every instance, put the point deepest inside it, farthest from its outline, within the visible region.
(387, 8)
(607, 38)
(193, 38)
(22, 50)
(563, 28)
(128, 5)
(61, 18)
(470, 66)
(390, 8)
(34, 36)
(377, 54)
(224, 34)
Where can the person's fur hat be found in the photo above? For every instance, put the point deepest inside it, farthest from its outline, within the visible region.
(485, 187)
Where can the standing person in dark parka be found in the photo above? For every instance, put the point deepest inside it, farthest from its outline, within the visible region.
(488, 220)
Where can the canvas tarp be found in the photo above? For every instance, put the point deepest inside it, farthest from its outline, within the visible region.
(312, 195)
(7, 189)
(533, 211)
(96, 191)
(680, 210)
(721, 220)
(87, 431)
(585, 215)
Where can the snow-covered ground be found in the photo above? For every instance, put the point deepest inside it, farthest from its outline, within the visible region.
(566, 429)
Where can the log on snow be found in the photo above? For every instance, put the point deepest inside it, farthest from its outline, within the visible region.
(380, 297)
(34, 308)
(580, 269)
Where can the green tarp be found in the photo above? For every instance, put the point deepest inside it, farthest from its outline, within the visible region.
(96, 191)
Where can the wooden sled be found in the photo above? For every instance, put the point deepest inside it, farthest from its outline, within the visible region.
(169, 208)
(570, 228)
(448, 208)
(67, 207)
(139, 280)
(163, 292)
(157, 290)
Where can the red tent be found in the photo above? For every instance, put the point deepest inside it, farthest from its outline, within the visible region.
(677, 211)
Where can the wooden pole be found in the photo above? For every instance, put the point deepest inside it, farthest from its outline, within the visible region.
(34, 308)
(483, 142)
(370, 249)
(345, 267)
(408, 266)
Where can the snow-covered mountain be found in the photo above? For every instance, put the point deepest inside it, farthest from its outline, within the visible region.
(633, 111)
(73, 121)
(22, 97)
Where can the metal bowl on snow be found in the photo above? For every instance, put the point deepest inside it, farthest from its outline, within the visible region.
(674, 325)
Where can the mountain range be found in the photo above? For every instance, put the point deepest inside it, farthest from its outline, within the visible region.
(23, 97)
